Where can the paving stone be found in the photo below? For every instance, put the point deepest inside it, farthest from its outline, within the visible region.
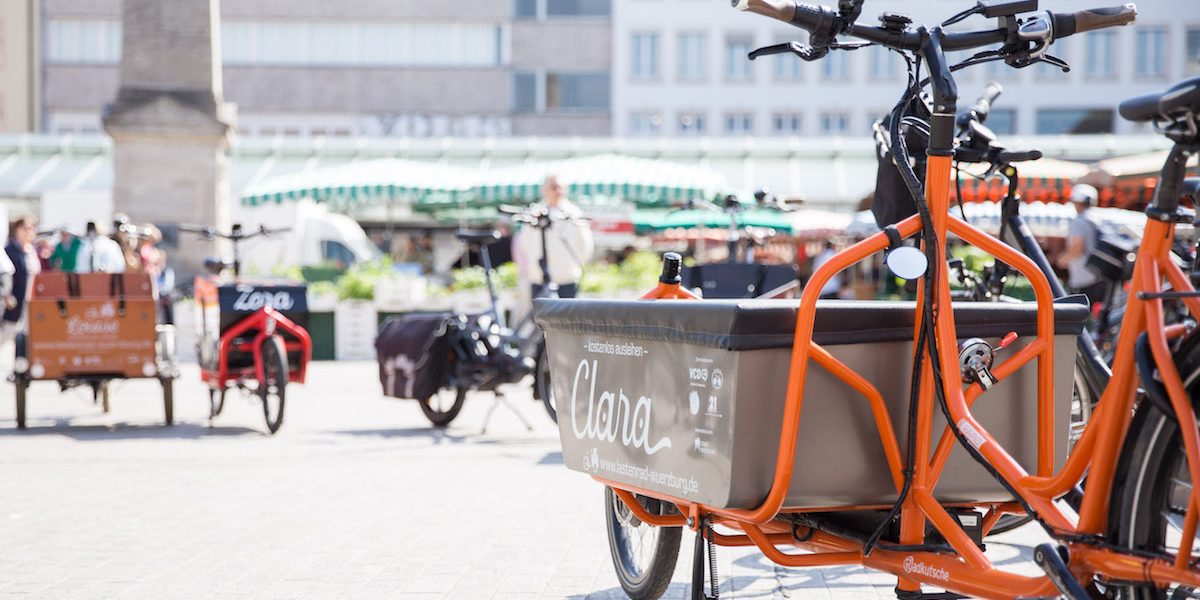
(356, 497)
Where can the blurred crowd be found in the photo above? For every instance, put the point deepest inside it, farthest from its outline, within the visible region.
(127, 247)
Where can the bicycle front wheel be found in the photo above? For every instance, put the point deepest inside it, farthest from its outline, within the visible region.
(644, 555)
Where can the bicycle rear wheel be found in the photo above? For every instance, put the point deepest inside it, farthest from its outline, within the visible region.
(1152, 501)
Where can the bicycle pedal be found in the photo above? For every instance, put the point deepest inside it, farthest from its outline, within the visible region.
(919, 595)
(1053, 559)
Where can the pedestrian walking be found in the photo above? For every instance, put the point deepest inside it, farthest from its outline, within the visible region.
(1082, 234)
(24, 258)
(569, 244)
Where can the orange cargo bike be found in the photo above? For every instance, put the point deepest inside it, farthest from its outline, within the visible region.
(902, 431)
(87, 330)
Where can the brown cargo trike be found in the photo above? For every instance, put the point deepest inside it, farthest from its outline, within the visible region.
(88, 329)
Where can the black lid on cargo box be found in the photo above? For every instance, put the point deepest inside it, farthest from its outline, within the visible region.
(761, 324)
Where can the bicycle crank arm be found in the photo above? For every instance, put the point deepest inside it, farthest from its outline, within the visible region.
(1053, 560)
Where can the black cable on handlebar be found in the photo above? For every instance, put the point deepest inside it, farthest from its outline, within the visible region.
(900, 157)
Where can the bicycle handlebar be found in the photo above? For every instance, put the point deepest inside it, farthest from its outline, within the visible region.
(824, 23)
(236, 234)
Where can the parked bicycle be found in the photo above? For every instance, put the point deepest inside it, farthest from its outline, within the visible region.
(460, 352)
(906, 503)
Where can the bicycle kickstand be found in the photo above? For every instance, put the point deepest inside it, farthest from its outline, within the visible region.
(703, 538)
(500, 399)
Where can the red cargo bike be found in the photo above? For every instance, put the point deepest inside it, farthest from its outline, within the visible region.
(252, 333)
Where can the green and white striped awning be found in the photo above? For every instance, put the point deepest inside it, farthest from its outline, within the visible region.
(639, 180)
(379, 180)
(800, 223)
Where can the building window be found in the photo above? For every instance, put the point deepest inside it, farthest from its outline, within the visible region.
(578, 92)
(737, 66)
(645, 123)
(541, 9)
(361, 44)
(787, 66)
(1192, 60)
(525, 92)
(1002, 121)
(691, 123)
(83, 41)
(578, 8)
(525, 9)
(693, 51)
(786, 123)
(836, 123)
(1053, 121)
(739, 124)
(1101, 59)
(836, 66)
(1151, 52)
(885, 64)
(645, 57)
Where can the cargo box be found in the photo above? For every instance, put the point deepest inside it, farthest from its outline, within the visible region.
(685, 398)
(222, 304)
(92, 324)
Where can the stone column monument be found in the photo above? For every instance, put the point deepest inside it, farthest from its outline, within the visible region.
(170, 124)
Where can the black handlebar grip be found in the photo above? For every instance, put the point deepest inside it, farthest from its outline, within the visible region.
(672, 267)
(1096, 18)
(1005, 157)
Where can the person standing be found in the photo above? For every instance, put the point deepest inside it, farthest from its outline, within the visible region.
(65, 252)
(832, 288)
(1082, 235)
(99, 253)
(25, 265)
(568, 242)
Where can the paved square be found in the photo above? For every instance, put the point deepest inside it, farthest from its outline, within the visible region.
(356, 497)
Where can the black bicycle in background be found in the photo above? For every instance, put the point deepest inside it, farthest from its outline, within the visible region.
(484, 350)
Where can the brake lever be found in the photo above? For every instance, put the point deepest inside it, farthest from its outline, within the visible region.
(804, 51)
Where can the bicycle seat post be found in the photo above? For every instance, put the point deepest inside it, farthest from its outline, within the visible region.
(485, 258)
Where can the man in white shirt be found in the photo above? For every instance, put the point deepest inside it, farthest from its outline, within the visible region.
(569, 244)
(99, 253)
(1082, 235)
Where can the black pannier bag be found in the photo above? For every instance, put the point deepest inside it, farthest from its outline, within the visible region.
(412, 351)
(1113, 257)
(893, 202)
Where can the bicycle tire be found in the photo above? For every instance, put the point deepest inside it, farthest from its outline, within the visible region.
(1147, 471)
(440, 417)
(542, 383)
(272, 388)
(22, 386)
(650, 582)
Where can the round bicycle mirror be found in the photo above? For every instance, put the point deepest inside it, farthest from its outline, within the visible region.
(907, 262)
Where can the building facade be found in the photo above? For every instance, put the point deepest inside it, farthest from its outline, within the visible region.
(471, 68)
(19, 74)
(680, 68)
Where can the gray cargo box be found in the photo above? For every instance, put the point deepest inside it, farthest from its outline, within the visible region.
(686, 397)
